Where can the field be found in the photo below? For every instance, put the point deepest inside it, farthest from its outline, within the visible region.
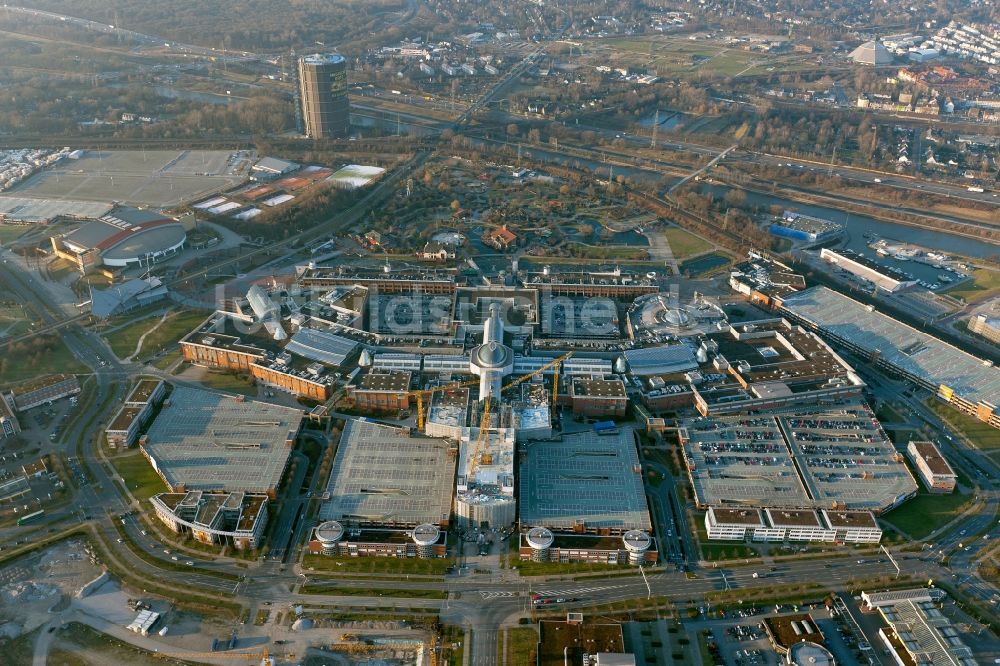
(522, 644)
(177, 324)
(79, 645)
(676, 56)
(152, 177)
(58, 360)
(985, 284)
(139, 476)
(379, 565)
(11, 232)
(925, 513)
(14, 321)
(229, 382)
(982, 435)
(685, 244)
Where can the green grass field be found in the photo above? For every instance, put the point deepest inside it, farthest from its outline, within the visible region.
(522, 644)
(11, 232)
(926, 513)
(229, 382)
(676, 56)
(176, 326)
(985, 284)
(313, 588)
(379, 565)
(981, 434)
(610, 252)
(529, 568)
(59, 360)
(685, 244)
(14, 320)
(139, 476)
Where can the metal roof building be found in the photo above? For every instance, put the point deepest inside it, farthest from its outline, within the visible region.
(383, 475)
(661, 360)
(208, 441)
(586, 480)
(126, 296)
(320, 345)
(969, 383)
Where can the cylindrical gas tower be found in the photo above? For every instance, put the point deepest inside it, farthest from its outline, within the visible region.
(425, 536)
(329, 535)
(637, 543)
(540, 540)
(323, 90)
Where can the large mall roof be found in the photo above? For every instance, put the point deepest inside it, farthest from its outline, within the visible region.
(907, 348)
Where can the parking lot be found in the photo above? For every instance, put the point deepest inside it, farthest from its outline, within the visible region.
(796, 458)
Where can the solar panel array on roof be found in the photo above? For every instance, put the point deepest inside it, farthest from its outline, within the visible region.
(322, 346)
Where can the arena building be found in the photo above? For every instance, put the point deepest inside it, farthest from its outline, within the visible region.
(659, 317)
(123, 237)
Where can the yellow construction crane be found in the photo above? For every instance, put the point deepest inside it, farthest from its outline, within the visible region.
(420, 393)
(484, 423)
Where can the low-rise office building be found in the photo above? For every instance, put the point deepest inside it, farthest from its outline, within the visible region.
(424, 541)
(381, 391)
(540, 544)
(934, 470)
(126, 425)
(988, 327)
(43, 390)
(598, 397)
(884, 277)
(234, 518)
(791, 525)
